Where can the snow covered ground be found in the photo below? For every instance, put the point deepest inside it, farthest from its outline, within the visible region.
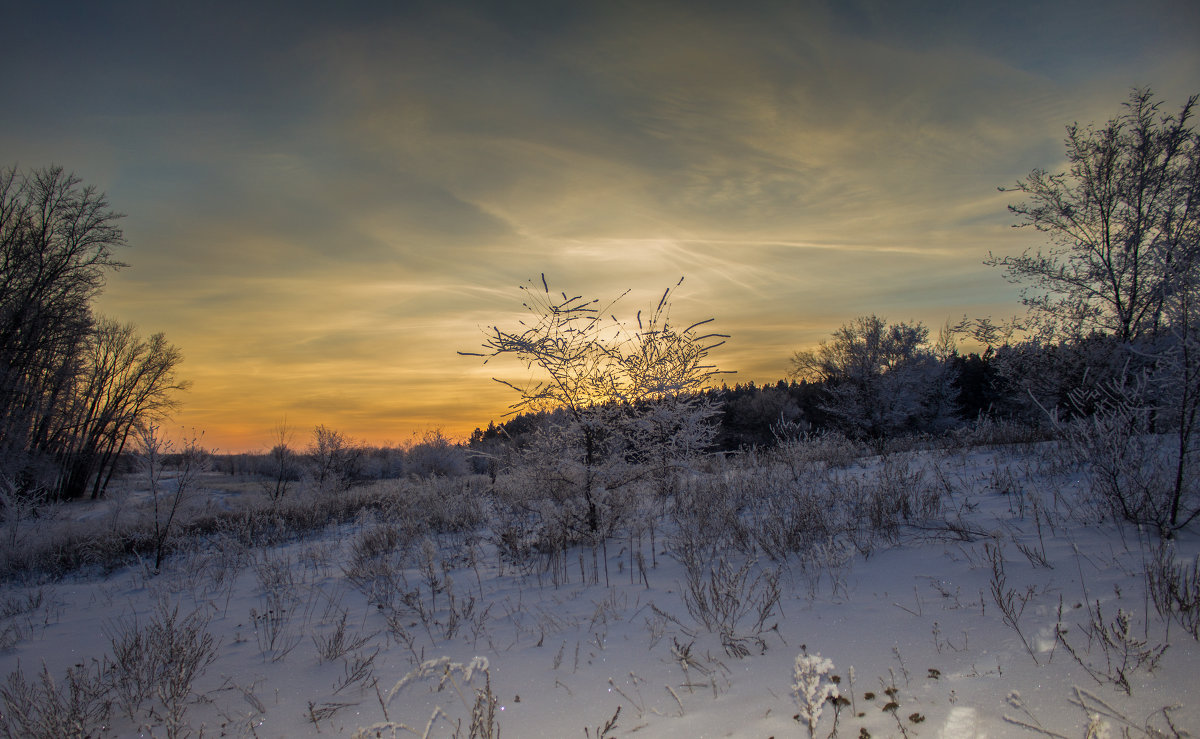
(1010, 613)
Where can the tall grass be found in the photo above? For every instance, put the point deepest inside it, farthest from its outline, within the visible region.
(65, 546)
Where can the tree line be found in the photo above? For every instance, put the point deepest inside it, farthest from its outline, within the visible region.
(932, 397)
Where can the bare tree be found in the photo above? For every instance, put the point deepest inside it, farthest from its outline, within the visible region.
(1124, 262)
(334, 458)
(605, 378)
(72, 386)
(57, 243)
(168, 493)
(1118, 221)
(282, 461)
(127, 381)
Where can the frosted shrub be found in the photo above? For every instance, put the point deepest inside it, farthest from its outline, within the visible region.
(897, 495)
(40, 708)
(160, 660)
(552, 502)
(834, 448)
(1141, 491)
(723, 598)
(668, 435)
(435, 456)
(1175, 588)
(1124, 653)
(444, 504)
(418, 506)
(812, 688)
(481, 706)
(706, 515)
(1138, 475)
(829, 558)
(989, 431)
(17, 510)
(514, 531)
(799, 450)
(376, 561)
(905, 443)
(538, 519)
(796, 515)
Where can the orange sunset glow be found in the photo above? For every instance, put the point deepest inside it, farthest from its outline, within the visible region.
(324, 204)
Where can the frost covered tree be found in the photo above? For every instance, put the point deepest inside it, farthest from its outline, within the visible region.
(617, 391)
(1119, 221)
(668, 419)
(878, 378)
(434, 455)
(1123, 263)
(333, 459)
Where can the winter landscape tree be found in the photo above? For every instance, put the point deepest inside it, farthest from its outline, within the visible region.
(1121, 222)
(72, 386)
(616, 389)
(878, 378)
(1124, 224)
(126, 381)
(281, 464)
(333, 458)
(57, 242)
(168, 493)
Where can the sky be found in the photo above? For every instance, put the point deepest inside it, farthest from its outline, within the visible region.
(326, 202)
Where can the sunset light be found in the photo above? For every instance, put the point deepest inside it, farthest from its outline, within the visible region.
(607, 368)
(324, 204)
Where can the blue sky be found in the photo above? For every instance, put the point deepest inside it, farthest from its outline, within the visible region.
(325, 203)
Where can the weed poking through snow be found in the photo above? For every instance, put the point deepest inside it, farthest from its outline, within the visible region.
(812, 688)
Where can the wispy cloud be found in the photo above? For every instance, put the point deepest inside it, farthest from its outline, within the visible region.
(327, 203)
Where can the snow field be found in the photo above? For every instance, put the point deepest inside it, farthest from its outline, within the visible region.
(1010, 612)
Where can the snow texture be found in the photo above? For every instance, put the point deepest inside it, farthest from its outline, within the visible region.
(915, 623)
